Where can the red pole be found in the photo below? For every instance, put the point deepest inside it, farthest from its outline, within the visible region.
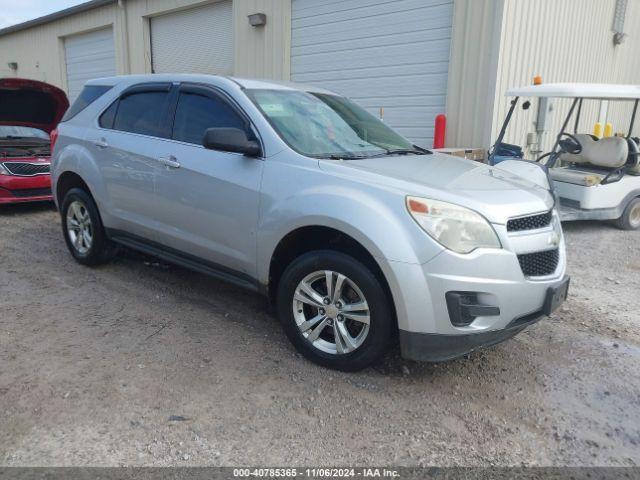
(439, 131)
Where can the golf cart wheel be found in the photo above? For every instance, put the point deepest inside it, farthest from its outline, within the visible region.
(630, 219)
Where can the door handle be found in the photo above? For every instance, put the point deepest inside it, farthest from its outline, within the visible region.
(169, 161)
(102, 143)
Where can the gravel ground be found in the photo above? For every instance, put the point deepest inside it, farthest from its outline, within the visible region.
(142, 363)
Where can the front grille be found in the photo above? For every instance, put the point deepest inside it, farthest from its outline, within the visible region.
(27, 169)
(529, 223)
(32, 192)
(539, 264)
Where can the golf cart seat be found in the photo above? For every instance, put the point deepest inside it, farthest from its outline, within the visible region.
(596, 160)
(610, 152)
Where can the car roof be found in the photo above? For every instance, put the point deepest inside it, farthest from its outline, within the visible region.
(244, 83)
(597, 91)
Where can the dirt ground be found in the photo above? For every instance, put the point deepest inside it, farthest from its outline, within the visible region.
(142, 363)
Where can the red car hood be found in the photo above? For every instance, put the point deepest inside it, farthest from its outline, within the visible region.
(29, 103)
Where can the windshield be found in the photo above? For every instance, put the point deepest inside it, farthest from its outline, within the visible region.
(326, 126)
(21, 132)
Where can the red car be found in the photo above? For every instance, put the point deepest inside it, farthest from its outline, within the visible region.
(29, 112)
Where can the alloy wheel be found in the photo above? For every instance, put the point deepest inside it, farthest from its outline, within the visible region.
(79, 227)
(331, 312)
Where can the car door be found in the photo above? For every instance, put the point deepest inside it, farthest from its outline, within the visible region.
(207, 201)
(125, 146)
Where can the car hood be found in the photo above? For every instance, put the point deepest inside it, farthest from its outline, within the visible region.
(496, 194)
(29, 103)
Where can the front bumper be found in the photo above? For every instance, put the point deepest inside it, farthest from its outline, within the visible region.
(495, 280)
(428, 347)
(17, 189)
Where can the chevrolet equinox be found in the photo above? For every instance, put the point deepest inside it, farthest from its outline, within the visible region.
(357, 236)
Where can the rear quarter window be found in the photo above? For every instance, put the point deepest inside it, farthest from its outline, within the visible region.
(109, 115)
(89, 94)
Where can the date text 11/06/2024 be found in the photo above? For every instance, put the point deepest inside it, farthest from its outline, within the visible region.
(316, 472)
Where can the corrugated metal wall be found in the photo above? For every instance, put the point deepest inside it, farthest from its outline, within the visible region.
(263, 52)
(475, 46)
(495, 44)
(259, 52)
(39, 51)
(564, 41)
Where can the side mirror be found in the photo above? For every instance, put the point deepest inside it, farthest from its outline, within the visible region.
(230, 140)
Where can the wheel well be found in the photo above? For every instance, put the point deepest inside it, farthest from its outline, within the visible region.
(308, 239)
(66, 182)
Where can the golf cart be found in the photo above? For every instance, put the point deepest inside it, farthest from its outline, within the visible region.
(593, 178)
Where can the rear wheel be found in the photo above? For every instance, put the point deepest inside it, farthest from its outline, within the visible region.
(335, 311)
(630, 219)
(83, 230)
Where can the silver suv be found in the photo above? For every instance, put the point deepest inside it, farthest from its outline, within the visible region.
(360, 238)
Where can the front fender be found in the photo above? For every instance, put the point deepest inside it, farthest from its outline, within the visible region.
(296, 195)
(380, 227)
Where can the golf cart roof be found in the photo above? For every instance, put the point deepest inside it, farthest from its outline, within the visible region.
(598, 91)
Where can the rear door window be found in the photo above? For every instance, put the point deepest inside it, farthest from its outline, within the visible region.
(89, 94)
(195, 113)
(144, 113)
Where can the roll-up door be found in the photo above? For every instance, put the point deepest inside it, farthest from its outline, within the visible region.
(197, 40)
(382, 54)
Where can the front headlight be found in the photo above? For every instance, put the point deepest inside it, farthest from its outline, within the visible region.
(454, 227)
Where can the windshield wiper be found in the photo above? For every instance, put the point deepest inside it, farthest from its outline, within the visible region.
(403, 151)
(407, 151)
(423, 150)
(416, 150)
(336, 156)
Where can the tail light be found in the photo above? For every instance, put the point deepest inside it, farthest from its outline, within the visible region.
(53, 136)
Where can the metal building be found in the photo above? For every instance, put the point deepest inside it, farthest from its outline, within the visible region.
(407, 60)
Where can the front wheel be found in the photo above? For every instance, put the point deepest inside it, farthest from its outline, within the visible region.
(335, 311)
(630, 219)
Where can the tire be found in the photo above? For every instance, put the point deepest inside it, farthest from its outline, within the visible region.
(630, 219)
(360, 344)
(80, 215)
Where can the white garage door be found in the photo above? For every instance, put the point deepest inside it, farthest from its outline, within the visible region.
(198, 40)
(382, 54)
(88, 55)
